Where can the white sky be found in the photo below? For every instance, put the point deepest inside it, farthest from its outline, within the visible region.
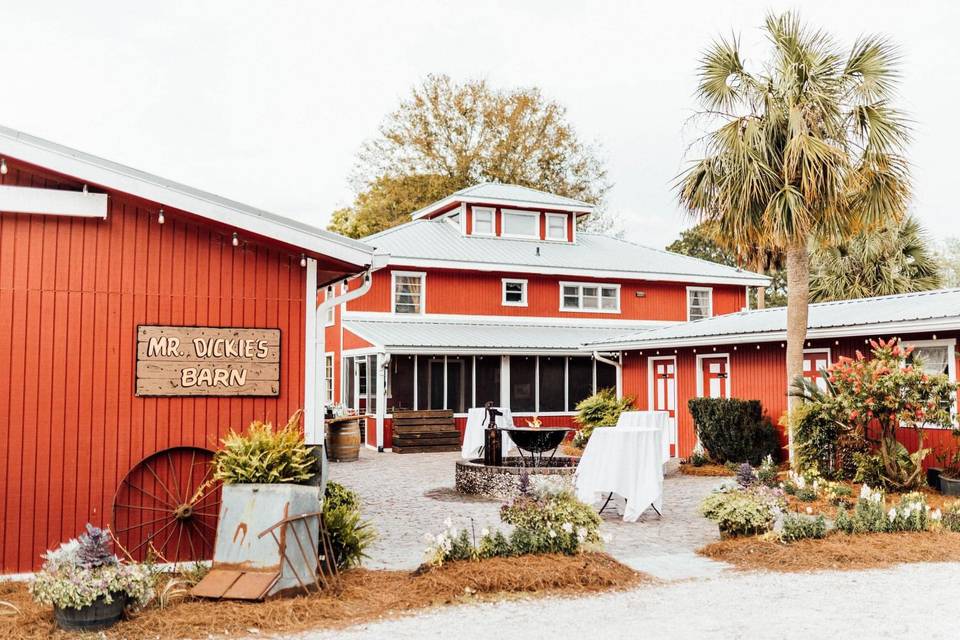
(268, 102)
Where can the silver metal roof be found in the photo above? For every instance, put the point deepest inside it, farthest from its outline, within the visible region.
(470, 335)
(927, 310)
(505, 194)
(96, 170)
(441, 244)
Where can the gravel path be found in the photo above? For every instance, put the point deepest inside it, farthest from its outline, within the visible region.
(899, 602)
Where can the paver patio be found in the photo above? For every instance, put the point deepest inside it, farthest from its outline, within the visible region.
(408, 495)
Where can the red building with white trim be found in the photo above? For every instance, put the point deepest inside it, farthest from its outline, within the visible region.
(743, 355)
(489, 294)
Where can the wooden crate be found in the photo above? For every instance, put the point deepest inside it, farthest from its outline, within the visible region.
(424, 432)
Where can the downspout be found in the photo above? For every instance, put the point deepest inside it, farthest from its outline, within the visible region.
(617, 365)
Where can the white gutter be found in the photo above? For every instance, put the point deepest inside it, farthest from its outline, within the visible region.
(617, 365)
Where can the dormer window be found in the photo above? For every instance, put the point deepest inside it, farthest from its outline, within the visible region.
(521, 224)
(483, 221)
(556, 226)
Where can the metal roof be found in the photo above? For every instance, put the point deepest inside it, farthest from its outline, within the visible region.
(98, 171)
(505, 194)
(441, 244)
(473, 335)
(926, 310)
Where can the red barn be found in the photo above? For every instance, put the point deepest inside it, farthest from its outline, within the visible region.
(743, 355)
(102, 268)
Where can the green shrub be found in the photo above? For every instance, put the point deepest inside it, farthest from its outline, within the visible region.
(837, 493)
(869, 469)
(767, 472)
(816, 438)
(698, 459)
(741, 512)
(799, 527)
(602, 409)
(734, 430)
(871, 514)
(265, 456)
(951, 517)
(349, 535)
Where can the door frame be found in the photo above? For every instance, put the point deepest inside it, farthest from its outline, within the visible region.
(651, 395)
(704, 356)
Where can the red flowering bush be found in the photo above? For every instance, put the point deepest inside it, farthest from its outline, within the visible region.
(878, 395)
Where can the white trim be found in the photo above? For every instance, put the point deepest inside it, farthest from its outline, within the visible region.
(53, 202)
(950, 343)
(473, 222)
(566, 229)
(580, 285)
(708, 290)
(541, 321)
(313, 343)
(467, 351)
(503, 292)
(699, 372)
(468, 199)
(746, 299)
(567, 271)
(380, 361)
(524, 214)
(97, 171)
(328, 393)
(423, 291)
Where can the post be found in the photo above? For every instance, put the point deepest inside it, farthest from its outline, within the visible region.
(381, 399)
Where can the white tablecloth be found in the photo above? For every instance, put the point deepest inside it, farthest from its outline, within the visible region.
(473, 435)
(649, 420)
(627, 461)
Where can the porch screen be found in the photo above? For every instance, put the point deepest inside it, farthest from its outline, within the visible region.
(401, 383)
(579, 381)
(606, 376)
(523, 382)
(551, 383)
(488, 380)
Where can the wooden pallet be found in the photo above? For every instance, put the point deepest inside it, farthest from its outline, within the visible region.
(424, 432)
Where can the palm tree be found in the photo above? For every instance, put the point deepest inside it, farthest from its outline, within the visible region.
(808, 149)
(893, 259)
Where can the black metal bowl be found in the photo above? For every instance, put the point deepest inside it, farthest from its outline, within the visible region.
(537, 440)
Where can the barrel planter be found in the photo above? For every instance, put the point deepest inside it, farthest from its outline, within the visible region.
(343, 439)
(949, 486)
(94, 617)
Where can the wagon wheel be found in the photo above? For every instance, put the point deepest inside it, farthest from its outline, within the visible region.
(169, 503)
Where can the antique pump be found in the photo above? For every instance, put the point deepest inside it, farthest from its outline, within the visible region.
(492, 438)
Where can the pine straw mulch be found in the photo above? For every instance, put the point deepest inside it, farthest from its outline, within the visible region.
(708, 469)
(935, 500)
(836, 552)
(365, 595)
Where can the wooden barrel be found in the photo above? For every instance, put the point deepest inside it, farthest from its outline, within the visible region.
(343, 439)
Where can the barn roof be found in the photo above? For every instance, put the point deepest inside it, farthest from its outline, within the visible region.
(921, 311)
(437, 243)
(108, 174)
(506, 195)
(478, 335)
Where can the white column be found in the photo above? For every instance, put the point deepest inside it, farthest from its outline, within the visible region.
(505, 381)
(381, 398)
(312, 360)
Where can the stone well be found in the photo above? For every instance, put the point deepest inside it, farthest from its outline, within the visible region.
(503, 482)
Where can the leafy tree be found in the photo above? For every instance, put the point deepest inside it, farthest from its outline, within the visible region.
(893, 259)
(446, 136)
(948, 259)
(808, 149)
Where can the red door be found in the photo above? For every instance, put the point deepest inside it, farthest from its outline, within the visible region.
(813, 362)
(714, 377)
(664, 393)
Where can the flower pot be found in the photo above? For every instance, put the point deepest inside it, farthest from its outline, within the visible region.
(933, 477)
(96, 616)
(949, 486)
(726, 534)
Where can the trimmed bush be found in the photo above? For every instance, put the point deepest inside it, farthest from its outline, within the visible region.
(734, 430)
(740, 512)
(349, 535)
(800, 527)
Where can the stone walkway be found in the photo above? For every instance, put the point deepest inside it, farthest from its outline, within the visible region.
(408, 495)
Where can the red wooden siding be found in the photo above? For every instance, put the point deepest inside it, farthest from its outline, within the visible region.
(72, 292)
(479, 293)
(755, 374)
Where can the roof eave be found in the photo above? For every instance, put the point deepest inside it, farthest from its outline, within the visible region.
(445, 204)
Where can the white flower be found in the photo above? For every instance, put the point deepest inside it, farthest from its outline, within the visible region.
(865, 491)
(484, 532)
(892, 514)
(553, 534)
(448, 522)
(582, 532)
(567, 527)
(936, 515)
(809, 510)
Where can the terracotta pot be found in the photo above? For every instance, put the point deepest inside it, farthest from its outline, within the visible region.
(94, 617)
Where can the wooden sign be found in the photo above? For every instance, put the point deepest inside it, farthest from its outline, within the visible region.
(207, 361)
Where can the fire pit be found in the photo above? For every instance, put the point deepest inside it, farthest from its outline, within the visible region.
(535, 441)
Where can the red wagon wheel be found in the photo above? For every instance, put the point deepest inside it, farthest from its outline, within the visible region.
(169, 504)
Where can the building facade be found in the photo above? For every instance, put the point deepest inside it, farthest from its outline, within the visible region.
(489, 294)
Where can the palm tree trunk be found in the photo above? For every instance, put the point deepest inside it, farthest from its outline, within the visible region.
(798, 297)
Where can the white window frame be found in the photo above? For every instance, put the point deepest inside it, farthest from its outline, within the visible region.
(580, 286)
(423, 291)
(951, 345)
(329, 360)
(493, 221)
(503, 292)
(709, 290)
(516, 212)
(565, 219)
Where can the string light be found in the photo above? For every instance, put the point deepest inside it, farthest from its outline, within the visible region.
(303, 263)
(160, 218)
(236, 239)
(3, 166)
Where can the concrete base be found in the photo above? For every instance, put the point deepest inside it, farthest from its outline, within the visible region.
(475, 478)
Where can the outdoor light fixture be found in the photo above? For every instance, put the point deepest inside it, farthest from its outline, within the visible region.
(3, 166)
(160, 218)
(303, 260)
(236, 239)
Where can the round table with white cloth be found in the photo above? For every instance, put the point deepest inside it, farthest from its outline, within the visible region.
(649, 420)
(627, 461)
(473, 434)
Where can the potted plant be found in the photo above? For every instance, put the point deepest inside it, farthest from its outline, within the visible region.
(949, 477)
(88, 586)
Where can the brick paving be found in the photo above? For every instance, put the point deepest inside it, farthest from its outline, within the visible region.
(408, 495)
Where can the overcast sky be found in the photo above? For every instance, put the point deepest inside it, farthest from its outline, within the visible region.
(268, 102)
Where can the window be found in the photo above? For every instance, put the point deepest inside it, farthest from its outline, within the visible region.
(699, 303)
(598, 298)
(523, 382)
(408, 292)
(556, 226)
(579, 381)
(521, 224)
(488, 380)
(514, 293)
(328, 378)
(936, 357)
(552, 390)
(483, 222)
